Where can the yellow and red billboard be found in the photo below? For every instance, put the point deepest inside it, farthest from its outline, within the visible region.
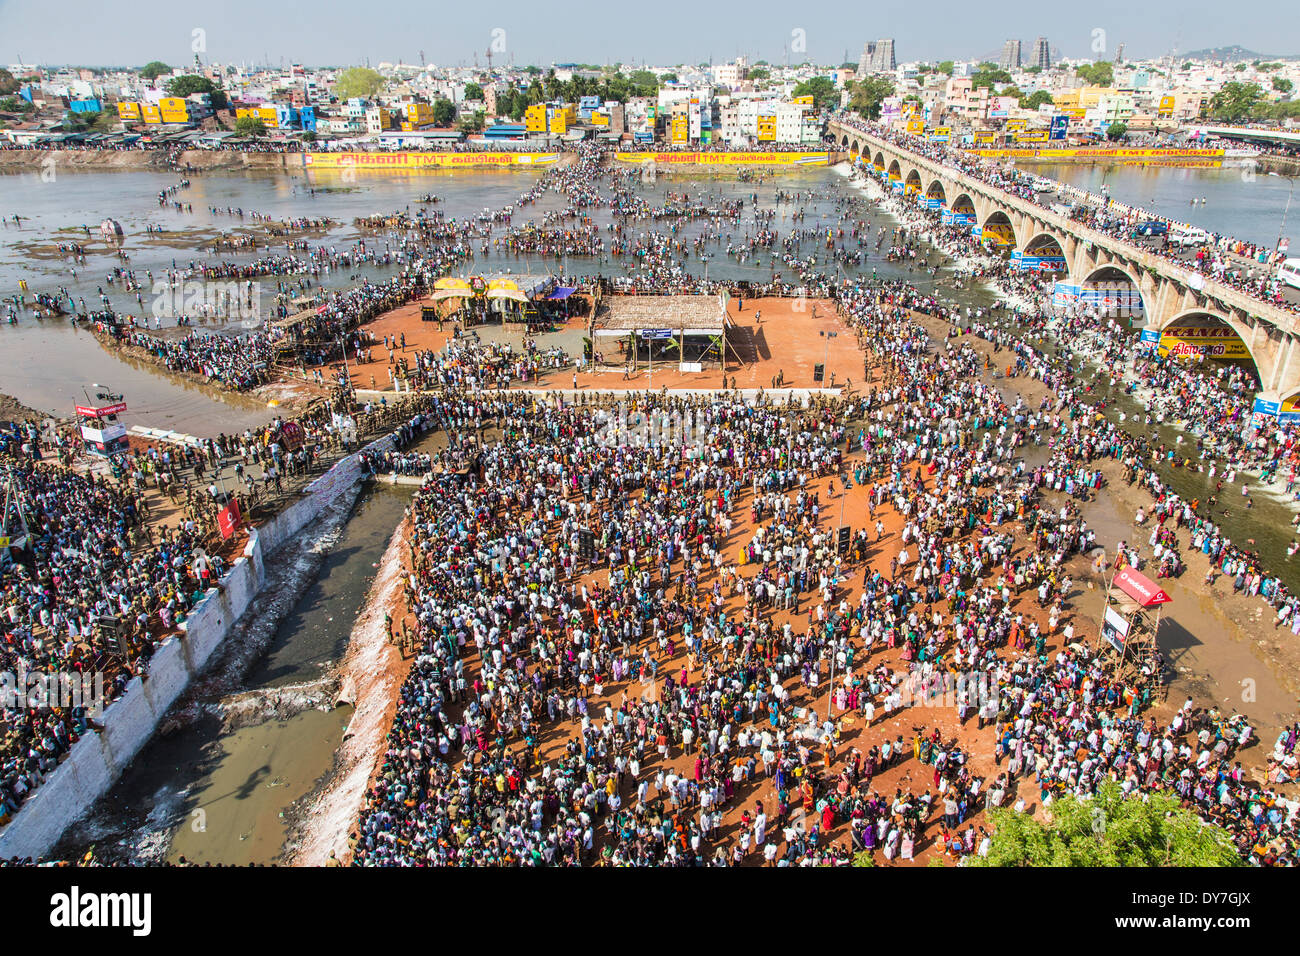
(756, 158)
(1215, 342)
(382, 162)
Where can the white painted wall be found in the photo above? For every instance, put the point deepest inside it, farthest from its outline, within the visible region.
(97, 760)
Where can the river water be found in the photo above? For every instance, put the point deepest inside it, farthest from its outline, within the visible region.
(50, 363)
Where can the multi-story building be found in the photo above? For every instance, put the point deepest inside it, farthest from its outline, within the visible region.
(1011, 55)
(1042, 54)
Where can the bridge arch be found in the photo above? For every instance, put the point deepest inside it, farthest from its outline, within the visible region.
(854, 151)
(845, 140)
(1203, 318)
(895, 170)
(997, 231)
(1045, 245)
(879, 161)
(936, 191)
(912, 185)
(1117, 290)
(964, 204)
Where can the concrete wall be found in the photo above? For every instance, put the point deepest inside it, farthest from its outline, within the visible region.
(97, 760)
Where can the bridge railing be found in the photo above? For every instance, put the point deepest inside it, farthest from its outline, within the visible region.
(1208, 286)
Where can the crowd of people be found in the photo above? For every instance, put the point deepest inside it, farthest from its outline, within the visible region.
(545, 593)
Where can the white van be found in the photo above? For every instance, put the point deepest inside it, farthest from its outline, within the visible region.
(1289, 272)
(1188, 238)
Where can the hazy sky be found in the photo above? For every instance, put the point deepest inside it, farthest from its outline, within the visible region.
(667, 31)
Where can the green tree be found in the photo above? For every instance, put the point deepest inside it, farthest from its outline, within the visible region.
(1282, 85)
(1115, 131)
(945, 67)
(758, 73)
(472, 124)
(154, 69)
(15, 104)
(867, 95)
(358, 81)
(668, 78)
(1235, 101)
(820, 88)
(443, 111)
(1035, 99)
(473, 91)
(988, 75)
(7, 83)
(1109, 830)
(250, 126)
(1097, 74)
(184, 86)
(1035, 69)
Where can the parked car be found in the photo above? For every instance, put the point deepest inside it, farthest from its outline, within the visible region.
(1189, 238)
(1152, 227)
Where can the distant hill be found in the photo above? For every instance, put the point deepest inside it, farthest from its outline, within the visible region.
(1229, 54)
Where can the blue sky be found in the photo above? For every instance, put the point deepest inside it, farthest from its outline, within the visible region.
(666, 31)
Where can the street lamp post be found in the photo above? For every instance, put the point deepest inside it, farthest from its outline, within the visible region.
(1285, 209)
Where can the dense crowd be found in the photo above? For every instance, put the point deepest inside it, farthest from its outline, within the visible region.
(517, 633)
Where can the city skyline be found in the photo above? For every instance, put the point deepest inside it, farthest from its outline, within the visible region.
(249, 33)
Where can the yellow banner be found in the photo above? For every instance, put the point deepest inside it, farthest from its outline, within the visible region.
(1216, 343)
(726, 159)
(1111, 155)
(407, 160)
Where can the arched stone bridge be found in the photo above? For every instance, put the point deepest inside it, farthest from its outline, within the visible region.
(1170, 294)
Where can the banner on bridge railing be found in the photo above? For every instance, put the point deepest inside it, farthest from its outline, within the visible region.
(1113, 155)
(398, 161)
(704, 158)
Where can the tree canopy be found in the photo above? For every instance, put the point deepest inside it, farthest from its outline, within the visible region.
(1035, 99)
(867, 95)
(444, 111)
(1097, 74)
(7, 83)
(358, 81)
(155, 69)
(1235, 101)
(989, 76)
(945, 67)
(1109, 830)
(820, 88)
(183, 86)
(1115, 131)
(250, 126)
(473, 91)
